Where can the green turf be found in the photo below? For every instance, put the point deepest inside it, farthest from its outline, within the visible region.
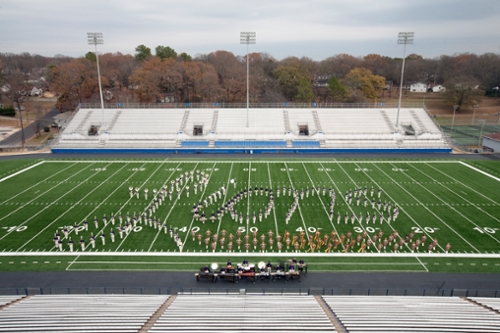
(439, 199)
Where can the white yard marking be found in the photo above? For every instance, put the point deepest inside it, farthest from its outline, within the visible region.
(201, 196)
(390, 225)
(126, 203)
(321, 200)
(244, 254)
(21, 171)
(461, 197)
(298, 204)
(70, 208)
(430, 211)
(461, 183)
(224, 201)
(116, 189)
(273, 208)
(47, 191)
(480, 171)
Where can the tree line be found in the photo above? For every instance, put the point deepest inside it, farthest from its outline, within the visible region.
(220, 76)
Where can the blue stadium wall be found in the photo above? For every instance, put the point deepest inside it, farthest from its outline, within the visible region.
(248, 151)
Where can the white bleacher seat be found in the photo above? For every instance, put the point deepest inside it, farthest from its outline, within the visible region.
(411, 314)
(77, 313)
(236, 313)
(164, 128)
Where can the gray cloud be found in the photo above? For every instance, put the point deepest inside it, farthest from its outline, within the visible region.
(315, 28)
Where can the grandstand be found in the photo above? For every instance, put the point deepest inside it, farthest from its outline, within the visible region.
(247, 312)
(226, 130)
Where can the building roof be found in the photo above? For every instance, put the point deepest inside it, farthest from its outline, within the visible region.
(493, 136)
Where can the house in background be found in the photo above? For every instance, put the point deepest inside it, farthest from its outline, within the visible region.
(492, 141)
(418, 87)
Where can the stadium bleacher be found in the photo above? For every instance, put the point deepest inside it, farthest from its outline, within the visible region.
(79, 313)
(412, 314)
(298, 130)
(255, 312)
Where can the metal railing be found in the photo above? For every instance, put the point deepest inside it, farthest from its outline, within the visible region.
(222, 105)
(251, 291)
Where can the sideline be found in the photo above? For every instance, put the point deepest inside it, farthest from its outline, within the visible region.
(480, 171)
(21, 171)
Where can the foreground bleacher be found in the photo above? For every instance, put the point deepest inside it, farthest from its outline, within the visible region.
(79, 313)
(412, 314)
(253, 313)
(262, 130)
(203, 313)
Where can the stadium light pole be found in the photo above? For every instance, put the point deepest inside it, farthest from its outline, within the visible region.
(95, 38)
(248, 38)
(403, 38)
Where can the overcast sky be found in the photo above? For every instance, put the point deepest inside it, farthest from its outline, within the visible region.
(315, 28)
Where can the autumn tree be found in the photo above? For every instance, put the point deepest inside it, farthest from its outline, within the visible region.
(117, 68)
(463, 91)
(231, 74)
(142, 52)
(339, 65)
(157, 78)
(75, 82)
(289, 76)
(363, 80)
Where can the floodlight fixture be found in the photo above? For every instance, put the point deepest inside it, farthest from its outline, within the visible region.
(248, 37)
(403, 38)
(95, 38)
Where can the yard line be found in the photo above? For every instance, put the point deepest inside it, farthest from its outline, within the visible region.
(21, 171)
(399, 207)
(8, 233)
(225, 196)
(470, 188)
(390, 225)
(171, 208)
(426, 208)
(480, 171)
(73, 206)
(274, 207)
(43, 193)
(116, 189)
(452, 207)
(29, 188)
(346, 203)
(201, 197)
(248, 196)
(321, 200)
(465, 199)
(71, 263)
(298, 204)
(152, 199)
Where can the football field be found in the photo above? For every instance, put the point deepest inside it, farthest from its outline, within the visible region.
(179, 214)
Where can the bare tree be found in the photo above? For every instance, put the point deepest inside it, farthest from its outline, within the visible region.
(17, 94)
